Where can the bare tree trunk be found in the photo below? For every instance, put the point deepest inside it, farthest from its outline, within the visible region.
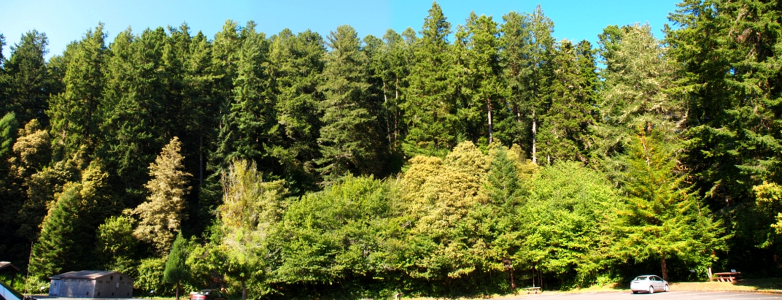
(488, 106)
(534, 138)
(664, 267)
(244, 291)
(178, 285)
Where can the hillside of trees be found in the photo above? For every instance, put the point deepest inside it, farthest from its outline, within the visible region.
(459, 159)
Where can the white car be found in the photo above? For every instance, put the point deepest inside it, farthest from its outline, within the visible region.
(649, 284)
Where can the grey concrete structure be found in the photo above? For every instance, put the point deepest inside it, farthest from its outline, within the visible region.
(91, 284)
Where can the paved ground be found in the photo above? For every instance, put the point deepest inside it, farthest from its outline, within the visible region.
(673, 295)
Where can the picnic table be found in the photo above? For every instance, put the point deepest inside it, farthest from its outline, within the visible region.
(726, 276)
(532, 289)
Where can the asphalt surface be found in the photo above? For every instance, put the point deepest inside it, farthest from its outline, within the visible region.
(673, 295)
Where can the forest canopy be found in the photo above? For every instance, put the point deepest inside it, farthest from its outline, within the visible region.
(454, 159)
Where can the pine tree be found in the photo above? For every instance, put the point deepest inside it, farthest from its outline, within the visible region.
(488, 91)
(297, 64)
(73, 112)
(55, 250)
(429, 107)
(252, 119)
(729, 51)
(636, 89)
(563, 131)
(70, 225)
(134, 124)
(349, 131)
(29, 82)
(176, 270)
(163, 212)
(662, 218)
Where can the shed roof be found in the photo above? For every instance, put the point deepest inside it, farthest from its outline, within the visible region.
(86, 274)
(5, 264)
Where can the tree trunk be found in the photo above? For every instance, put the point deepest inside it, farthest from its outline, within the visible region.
(244, 290)
(534, 138)
(177, 290)
(664, 267)
(488, 106)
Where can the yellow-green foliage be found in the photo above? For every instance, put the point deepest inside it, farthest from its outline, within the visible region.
(769, 196)
(440, 196)
(162, 214)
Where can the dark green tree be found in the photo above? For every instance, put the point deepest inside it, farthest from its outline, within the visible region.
(296, 64)
(563, 130)
(29, 84)
(429, 106)
(176, 271)
(73, 113)
(349, 133)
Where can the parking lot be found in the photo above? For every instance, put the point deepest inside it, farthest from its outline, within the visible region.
(674, 295)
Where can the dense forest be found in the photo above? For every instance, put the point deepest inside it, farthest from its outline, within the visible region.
(454, 160)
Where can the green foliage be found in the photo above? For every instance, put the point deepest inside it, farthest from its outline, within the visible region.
(429, 107)
(468, 214)
(663, 218)
(29, 82)
(251, 208)
(73, 112)
(566, 223)
(443, 239)
(116, 246)
(349, 131)
(335, 236)
(176, 271)
(150, 277)
(636, 91)
(563, 130)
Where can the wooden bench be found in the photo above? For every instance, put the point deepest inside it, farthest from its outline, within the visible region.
(532, 289)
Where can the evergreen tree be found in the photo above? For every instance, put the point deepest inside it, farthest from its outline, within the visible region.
(134, 124)
(163, 212)
(662, 218)
(297, 63)
(176, 271)
(56, 248)
(429, 107)
(729, 51)
(563, 131)
(515, 36)
(250, 127)
(73, 113)
(487, 93)
(70, 225)
(29, 82)
(349, 131)
(636, 89)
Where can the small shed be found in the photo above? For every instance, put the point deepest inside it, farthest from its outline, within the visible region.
(91, 284)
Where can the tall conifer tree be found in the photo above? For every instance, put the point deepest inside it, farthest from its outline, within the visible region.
(349, 131)
(429, 106)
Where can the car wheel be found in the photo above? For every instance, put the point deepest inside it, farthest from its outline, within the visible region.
(666, 287)
(651, 290)
(635, 292)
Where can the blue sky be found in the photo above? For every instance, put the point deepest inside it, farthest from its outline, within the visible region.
(66, 21)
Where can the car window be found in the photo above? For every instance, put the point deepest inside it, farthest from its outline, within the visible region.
(640, 278)
(657, 278)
